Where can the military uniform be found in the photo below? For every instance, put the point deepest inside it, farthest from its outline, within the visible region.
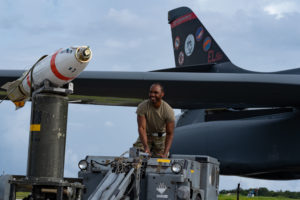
(156, 119)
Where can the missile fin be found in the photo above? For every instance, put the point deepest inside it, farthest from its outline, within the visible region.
(6, 85)
(14, 93)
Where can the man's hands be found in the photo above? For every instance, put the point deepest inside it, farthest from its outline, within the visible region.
(143, 136)
(164, 155)
(142, 133)
(147, 150)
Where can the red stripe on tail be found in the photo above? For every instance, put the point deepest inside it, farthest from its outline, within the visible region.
(183, 19)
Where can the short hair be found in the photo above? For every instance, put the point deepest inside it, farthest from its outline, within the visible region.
(159, 84)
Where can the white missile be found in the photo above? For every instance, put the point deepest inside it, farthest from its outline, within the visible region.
(60, 68)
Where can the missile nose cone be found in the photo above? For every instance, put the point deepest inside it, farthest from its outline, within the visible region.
(83, 54)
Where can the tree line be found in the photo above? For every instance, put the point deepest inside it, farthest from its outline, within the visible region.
(264, 192)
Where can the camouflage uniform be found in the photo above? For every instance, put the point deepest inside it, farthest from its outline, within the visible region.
(156, 119)
(156, 145)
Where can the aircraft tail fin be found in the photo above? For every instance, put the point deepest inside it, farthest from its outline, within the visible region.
(192, 43)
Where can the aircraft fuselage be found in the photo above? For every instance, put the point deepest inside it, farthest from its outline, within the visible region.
(259, 147)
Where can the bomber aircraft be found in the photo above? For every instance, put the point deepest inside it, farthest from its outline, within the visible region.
(226, 110)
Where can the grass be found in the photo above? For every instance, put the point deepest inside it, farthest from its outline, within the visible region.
(21, 195)
(233, 197)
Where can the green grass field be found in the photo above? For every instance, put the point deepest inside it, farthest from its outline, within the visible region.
(233, 197)
(21, 195)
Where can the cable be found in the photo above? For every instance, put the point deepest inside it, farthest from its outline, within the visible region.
(106, 164)
(122, 155)
(30, 70)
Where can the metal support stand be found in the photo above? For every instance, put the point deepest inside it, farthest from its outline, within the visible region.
(47, 140)
(46, 151)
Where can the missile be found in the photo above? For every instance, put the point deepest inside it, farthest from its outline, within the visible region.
(60, 68)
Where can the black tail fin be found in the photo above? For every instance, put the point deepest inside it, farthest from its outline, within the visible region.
(192, 43)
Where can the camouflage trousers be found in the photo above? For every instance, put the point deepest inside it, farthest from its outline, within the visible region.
(156, 145)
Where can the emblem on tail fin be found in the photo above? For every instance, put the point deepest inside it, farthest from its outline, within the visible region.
(176, 42)
(189, 45)
(181, 58)
(199, 33)
(206, 44)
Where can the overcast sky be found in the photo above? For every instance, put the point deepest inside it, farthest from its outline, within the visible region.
(132, 35)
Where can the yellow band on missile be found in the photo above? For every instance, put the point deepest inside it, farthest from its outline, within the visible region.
(35, 127)
(192, 171)
(163, 160)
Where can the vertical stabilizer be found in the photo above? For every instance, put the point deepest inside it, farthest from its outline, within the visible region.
(192, 43)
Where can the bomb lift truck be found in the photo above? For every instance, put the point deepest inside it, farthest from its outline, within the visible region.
(140, 177)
